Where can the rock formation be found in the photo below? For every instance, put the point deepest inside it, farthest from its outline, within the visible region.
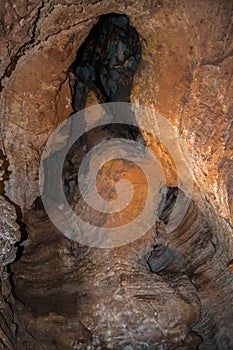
(167, 289)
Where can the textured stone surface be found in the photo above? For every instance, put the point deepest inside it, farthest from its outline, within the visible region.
(8, 327)
(185, 75)
(9, 235)
(118, 296)
(111, 293)
(9, 232)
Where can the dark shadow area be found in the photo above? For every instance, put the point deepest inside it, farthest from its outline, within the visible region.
(106, 62)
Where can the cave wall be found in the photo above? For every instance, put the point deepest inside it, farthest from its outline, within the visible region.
(188, 69)
(185, 75)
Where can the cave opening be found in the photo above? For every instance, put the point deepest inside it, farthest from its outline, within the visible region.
(106, 62)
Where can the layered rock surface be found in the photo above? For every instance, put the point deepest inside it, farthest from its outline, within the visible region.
(105, 293)
(157, 292)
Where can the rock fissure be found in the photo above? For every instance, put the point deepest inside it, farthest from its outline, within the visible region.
(216, 61)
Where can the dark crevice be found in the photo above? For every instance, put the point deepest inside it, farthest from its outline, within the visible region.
(216, 61)
(106, 62)
(38, 204)
(166, 206)
(8, 302)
